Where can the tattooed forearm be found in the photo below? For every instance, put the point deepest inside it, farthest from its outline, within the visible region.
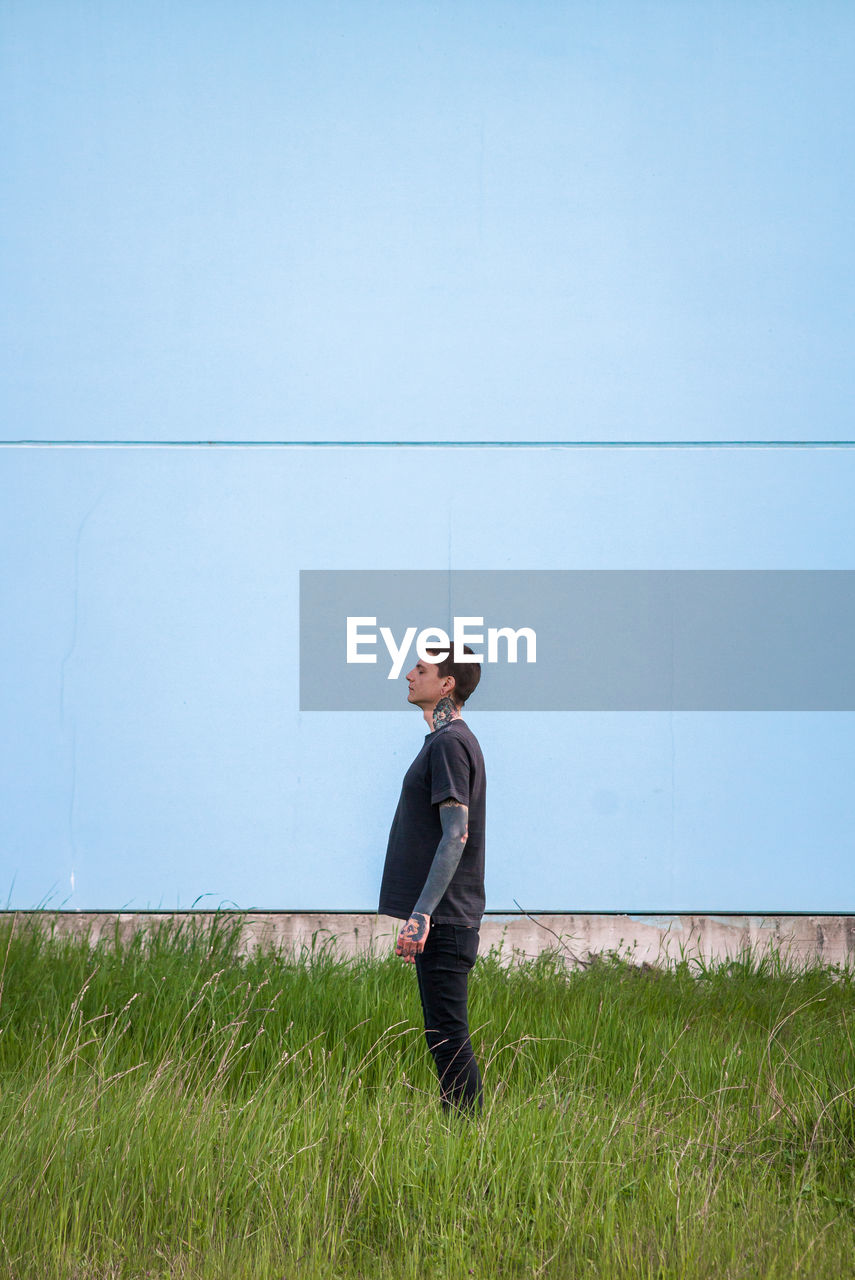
(454, 817)
(444, 712)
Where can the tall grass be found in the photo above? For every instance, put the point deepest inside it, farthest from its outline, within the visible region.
(170, 1108)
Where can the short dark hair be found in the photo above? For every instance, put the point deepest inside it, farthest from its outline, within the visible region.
(466, 674)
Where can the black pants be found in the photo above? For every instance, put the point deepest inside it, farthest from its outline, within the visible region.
(443, 973)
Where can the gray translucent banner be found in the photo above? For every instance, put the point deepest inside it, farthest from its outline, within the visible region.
(606, 640)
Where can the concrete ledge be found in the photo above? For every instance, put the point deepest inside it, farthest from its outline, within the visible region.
(650, 939)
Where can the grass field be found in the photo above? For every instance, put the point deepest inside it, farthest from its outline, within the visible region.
(168, 1108)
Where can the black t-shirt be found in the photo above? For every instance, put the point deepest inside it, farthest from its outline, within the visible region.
(449, 766)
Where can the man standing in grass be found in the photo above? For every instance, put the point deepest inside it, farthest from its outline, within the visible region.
(434, 873)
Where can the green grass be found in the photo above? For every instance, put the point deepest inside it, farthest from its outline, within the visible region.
(168, 1108)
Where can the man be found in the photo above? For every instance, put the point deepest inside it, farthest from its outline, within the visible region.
(434, 872)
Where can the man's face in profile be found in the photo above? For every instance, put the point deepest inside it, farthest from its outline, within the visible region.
(425, 684)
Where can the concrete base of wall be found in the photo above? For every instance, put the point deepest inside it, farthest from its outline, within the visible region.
(650, 939)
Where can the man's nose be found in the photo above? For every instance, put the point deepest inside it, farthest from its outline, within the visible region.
(410, 674)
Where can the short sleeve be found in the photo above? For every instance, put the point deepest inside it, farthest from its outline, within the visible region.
(450, 768)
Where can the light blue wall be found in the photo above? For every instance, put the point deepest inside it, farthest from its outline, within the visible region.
(150, 650)
(396, 220)
(409, 222)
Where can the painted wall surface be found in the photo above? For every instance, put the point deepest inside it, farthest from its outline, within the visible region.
(348, 243)
(156, 751)
(397, 220)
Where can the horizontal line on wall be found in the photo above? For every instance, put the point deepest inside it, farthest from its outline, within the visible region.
(364, 911)
(427, 444)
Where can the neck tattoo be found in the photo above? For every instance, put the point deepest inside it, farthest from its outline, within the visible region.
(444, 712)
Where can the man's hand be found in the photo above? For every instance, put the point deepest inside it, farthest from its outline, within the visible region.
(413, 937)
